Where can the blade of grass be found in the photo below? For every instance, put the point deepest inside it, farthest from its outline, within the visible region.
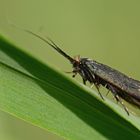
(40, 95)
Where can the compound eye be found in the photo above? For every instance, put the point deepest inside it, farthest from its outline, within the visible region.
(76, 63)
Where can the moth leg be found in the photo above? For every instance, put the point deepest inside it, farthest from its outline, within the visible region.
(92, 86)
(118, 99)
(97, 87)
(83, 77)
(84, 81)
(75, 73)
(107, 92)
(108, 89)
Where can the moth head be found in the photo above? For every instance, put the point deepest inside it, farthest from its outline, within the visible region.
(76, 65)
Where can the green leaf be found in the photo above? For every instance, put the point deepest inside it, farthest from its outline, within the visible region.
(38, 94)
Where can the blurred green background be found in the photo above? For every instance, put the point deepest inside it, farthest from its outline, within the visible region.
(105, 30)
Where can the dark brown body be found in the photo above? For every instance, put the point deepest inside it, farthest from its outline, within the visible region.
(118, 83)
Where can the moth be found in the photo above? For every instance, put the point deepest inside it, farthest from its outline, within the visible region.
(98, 74)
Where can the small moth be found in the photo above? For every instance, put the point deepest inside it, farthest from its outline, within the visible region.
(120, 85)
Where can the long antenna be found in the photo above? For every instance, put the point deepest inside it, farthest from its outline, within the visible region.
(48, 41)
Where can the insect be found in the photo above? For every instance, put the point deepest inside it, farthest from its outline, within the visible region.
(120, 85)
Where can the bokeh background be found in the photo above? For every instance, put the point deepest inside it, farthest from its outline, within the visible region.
(105, 30)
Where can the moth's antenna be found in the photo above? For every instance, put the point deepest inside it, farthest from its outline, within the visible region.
(47, 40)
